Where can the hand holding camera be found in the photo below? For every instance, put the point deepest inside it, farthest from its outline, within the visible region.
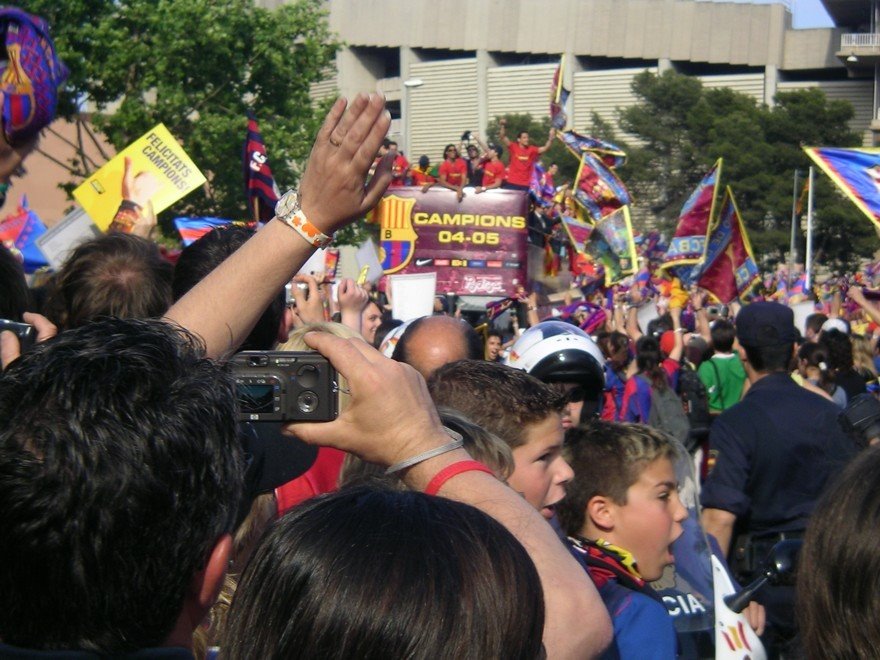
(390, 417)
(16, 338)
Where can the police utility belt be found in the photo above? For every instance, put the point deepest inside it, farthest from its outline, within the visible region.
(750, 550)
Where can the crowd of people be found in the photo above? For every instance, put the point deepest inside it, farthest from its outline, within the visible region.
(506, 494)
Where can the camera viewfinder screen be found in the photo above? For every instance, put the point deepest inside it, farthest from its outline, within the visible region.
(256, 397)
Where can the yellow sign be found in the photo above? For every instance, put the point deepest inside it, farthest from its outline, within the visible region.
(154, 168)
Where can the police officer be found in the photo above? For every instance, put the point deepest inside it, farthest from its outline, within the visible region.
(770, 456)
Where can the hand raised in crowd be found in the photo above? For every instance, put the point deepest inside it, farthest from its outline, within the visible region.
(332, 191)
(856, 294)
(352, 300)
(698, 298)
(10, 348)
(309, 304)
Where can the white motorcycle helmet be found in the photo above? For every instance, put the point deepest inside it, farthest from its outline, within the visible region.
(558, 352)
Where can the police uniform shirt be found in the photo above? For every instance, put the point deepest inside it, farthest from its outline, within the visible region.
(773, 453)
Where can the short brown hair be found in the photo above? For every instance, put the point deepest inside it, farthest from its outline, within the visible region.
(113, 275)
(607, 458)
(503, 400)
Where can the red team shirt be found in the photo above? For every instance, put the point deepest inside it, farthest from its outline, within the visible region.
(522, 160)
(456, 172)
(493, 170)
(398, 171)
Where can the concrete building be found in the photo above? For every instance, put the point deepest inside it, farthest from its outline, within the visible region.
(447, 66)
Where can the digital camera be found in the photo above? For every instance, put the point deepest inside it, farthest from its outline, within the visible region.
(285, 386)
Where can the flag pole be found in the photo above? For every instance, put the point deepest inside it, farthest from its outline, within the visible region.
(808, 281)
(791, 258)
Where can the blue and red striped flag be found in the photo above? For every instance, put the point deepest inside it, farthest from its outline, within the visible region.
(192, 228)
(22, 229)
(610, 154)
(688, 245)
(598, 189)
(729, 269)
(260, 189)
(856, 172)
(558, 98)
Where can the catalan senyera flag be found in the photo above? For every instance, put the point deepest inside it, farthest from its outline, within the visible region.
(612, 244)
(729, 269)
(598, 189)
(260, 188)
(558, 97)
(856, 172)
(688, 245)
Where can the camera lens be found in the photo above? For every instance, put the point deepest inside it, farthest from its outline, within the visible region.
(307, 401)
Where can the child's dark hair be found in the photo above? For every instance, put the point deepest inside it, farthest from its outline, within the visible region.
(607, 458)
(723, 333)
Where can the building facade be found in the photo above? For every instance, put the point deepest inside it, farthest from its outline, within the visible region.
(447, 66)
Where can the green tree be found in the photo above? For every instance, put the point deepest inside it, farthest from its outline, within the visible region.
(197, 66)
(683, 128)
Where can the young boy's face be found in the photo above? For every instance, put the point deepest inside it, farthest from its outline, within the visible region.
(540, 473)
(651, 519)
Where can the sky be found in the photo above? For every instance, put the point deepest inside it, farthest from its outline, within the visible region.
(807, 13)
(810, 14)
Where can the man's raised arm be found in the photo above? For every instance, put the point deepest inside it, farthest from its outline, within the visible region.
(223, 308)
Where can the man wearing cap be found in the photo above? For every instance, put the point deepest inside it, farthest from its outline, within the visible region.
(770, 456)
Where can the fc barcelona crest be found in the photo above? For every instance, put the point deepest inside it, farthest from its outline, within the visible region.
(397, 237)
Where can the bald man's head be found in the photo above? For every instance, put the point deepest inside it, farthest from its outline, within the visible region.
(433, 341)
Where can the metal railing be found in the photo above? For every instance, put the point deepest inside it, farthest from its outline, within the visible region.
(860, 40)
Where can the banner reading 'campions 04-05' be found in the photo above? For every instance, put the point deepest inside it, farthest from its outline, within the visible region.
(477, 246)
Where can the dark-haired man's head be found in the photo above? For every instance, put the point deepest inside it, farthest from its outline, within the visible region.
(430, 342)
(113, 275)
(767, 334)
(203, 256)
(120, 476)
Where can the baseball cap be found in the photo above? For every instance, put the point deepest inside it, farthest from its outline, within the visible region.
(765, 324)
(667, 342)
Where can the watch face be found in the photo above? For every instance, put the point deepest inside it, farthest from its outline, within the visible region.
(287, 204)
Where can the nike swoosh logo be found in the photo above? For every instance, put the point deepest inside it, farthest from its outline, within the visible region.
(423, 262)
